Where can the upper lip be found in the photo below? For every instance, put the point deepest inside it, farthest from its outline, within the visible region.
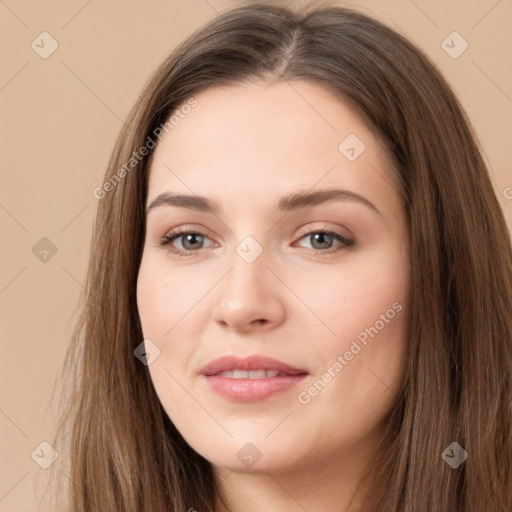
(228, 363)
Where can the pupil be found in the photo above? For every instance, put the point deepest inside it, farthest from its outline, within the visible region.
(323, 237)
(190, 236)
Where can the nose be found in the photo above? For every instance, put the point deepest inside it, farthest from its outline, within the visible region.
(249, 297)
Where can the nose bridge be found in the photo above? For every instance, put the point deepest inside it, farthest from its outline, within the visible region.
(246, 294)
(250, 250)
(249, 265)
(250, 245)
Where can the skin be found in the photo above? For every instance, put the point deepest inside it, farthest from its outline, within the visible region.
(244, 147)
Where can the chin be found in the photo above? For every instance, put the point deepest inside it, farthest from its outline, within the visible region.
(252, 454)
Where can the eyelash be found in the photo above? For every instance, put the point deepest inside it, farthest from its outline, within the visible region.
(169, 238)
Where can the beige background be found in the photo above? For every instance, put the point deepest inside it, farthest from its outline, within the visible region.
(60, 117)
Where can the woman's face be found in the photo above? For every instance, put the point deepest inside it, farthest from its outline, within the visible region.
(278, 266)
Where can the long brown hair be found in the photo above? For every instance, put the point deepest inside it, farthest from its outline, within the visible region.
(124, 452)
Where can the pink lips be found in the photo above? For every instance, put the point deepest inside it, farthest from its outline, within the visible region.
(250, 389)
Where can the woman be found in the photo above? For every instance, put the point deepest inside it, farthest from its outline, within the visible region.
(251, 371)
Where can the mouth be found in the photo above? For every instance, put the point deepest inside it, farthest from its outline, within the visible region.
(251, 379)
(253, 374)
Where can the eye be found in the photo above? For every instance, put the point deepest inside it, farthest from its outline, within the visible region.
(322, 241)
(191, 243)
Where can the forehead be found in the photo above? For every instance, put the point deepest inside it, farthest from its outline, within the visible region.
(250, 139)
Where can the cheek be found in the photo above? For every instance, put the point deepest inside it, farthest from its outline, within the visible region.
(171, 311)
(363, 294)
(164, 320)
(364, 313)
(166, 300)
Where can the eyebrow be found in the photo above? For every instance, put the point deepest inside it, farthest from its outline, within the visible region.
(296, 201)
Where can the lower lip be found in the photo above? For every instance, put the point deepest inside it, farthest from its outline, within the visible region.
(251, 390)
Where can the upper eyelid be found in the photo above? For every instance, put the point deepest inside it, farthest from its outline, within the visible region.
(200, 231)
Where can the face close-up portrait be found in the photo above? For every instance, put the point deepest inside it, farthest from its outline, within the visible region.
(287, 293)
(298, 293)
